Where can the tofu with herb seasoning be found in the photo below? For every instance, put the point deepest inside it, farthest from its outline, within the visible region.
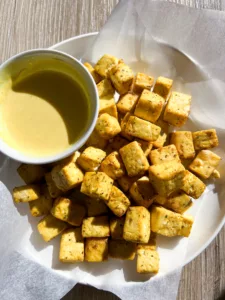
(105, 88)
(116, 227)
(122, 249)
(26, 193)
(96, 227)
(96, 249)
(97, 78)
(104, 64)
(163, 86)
(113, 165)
(127, 102)
(125, 182)
(95, 207)
(95, 140)
(91, 158)
(118, 142)
(192, 185)
(205, 139)
(31, 173)
(43, 204)
(164, 154)
(123, 125)
(118, 202)
(184, 143)
(161, 140)
(142, 81)
(145, 146)
(52, 188)
(107, 126)
(121, 76)
(108, 106)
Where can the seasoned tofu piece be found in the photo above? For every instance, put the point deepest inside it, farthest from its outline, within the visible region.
(167, 177)
(122, 249)
(163, 86)
(31, 173)
(142, 81)
(177, 109)
(113, 165)
(184, 143)
(95, 207)
(66, 210)
(105, 88)
(205, 163)
(93, 73)
(71, 246)
(164, 154)
(215, 174)
(116, 227)
(97, 185)
(142, 129)
(147, 260)
(105, 63)
(95, 140)
(118, 202)
(42, 205)
(192, 185)
(137, 225)
(91, 158)
(52, 188)
(96, 249)
(26, 193)
(96, 227)
(107, 126)
(142, 191)
(49, 227)
(118, 142)
(168, 223)
(134, 159)
(161, 140)
(125, 182)
(149, 106)
(145, 146)
(123, 125)
(205, 139)
(127, 102)
(108, 107)
(121, 76)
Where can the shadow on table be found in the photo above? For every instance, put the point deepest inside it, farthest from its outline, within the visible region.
(221, 297)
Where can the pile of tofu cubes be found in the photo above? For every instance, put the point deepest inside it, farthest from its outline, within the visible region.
(131, 180)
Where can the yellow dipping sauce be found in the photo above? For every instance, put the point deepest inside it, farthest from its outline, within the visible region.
(43, 114)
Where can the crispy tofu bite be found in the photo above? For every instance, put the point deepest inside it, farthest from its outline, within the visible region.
(113, 165)
(147, 260)
(71, 246)
(137, 225)
(142, 191)
(64, 209)
(122, 249)
(97, 185)
(149, 106)
(118, 142)
(177, 109)
(205, 163)
(116, 227)
(121, 76)
(145, 146)
(52, 188)
(167, 177)
(161, 140)
(123, 124)
(93, 73)
(205, 139)
(91, 158)
(127, 102)
(49, 227)
(105, 88)
(142, 129)
(42, 205)
(105, 63)
(163, 86)
(125, 182)
(118, 202)
(96, 227)
(164, 154)
(192, 185)
(26, 193)
(134, 159)
(95, 140)
(142, 81)
(215, 174)
(31, 173)
(108, 107)
(96, 249)
(95, 207)
(107, 126)
(168, 223)
(184, 143)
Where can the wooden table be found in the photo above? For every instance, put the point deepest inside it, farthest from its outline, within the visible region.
(27, 24)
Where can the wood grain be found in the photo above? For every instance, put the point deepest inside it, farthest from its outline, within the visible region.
(27, 24)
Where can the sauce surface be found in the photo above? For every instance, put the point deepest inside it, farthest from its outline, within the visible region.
(43, 114)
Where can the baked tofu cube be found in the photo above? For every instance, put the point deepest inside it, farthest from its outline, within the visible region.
(96, 227)
(149, 106)
(205, 163)
(95, 140)
(116, 228)
(145, 146)
(125, 182)
(164, 154)
(161, 140)
(42, 205)
(91, 158)
(184, 143)
(177, 109)
(97, 185)
(121, 76)
(49, 227)
(147, 260)
(167, 177)
(192, 185)
(122, 249)
(93, 73)
(71, 246)
(134, 159)
(215, 174)
(52, 188)
(113, 165)
(142, 129)
(118, 142)
(105, 63)
(108, 107)
(64, 209)
(141, 82)
(168, 223)
(96, 249)
(95, 207)
(105, 88)
(123, 125)
(118, 202)
(26, 193)
(163, 86)
(142, 191)
(127, 102)
(107, 126)
(205, 139)
(137, 225)
(31, 173)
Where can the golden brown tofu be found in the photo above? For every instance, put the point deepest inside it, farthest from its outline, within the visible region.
(161, 140)
(96, 249)
(91, 158)
(113, 165)
(116, 227)
(96, 227)
(127, 102)
(177, 109)
(205, 163)
(141, 82)
(142, 191)
(26, 193)
(95, 207)
(105, 88)
(118, 202)
(147, 260)
(71, 246)
(93, 73)
(122, 249)
(163, 86)
(137, 225)
(52, 188)
(215, 174)
(123, 124)
(107, 126)
(126, 182)
(118, 142)
(164, 154)
(42, 205)
(31, 173)
(121, 76)
(145, 146)
(134, 159)
(97, 185)
(192, 185)
(105, 63)
(108, 107)
(149, 106)
(49, 227)
(184, 143)
(95, 140)
(205, 139)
